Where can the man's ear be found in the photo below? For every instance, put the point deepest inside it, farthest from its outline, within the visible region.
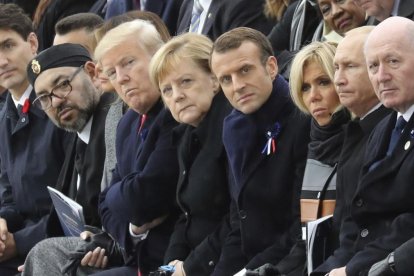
(271, 66)
(34, 43)
(90, 69)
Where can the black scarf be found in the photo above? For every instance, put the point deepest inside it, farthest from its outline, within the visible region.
(326, 141)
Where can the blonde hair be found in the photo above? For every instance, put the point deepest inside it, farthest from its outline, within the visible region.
(320, 52)
(191, 46)
(143, 32)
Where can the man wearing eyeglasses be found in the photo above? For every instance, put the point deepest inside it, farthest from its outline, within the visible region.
(62, 77)
(32, 149)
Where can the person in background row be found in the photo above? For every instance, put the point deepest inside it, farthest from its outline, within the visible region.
(382, 9)
(166, 10)
(32, 149)
(49, 12)
(340, 16)
(78, 28)
(181, 71)
(266, 139)
(214, 17)
(274, 9)
(29, 7)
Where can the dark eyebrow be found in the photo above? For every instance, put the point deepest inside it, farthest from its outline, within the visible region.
(58, 79)
(55, 82)
(4, 42)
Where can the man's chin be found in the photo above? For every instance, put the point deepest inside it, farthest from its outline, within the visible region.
(72, 126)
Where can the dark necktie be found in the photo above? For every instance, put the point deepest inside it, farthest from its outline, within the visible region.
(79, 156)
(396, 133)
(19, 109)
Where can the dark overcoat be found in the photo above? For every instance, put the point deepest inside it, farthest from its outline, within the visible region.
(357, 133)
(32, 152)
(265, 189)
(202, 193)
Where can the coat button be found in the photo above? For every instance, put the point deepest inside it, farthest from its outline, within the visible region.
(364, 233)
(359, 202)
(211, 263)
(23, 120)
(242, 214)
(186, 214)
(184, 172)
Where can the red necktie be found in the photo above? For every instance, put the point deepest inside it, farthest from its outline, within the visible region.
(141, 124)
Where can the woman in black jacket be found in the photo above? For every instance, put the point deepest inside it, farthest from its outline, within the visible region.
(313, 91)
(191, 92)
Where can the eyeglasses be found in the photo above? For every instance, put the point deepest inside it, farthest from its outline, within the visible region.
(60, 91)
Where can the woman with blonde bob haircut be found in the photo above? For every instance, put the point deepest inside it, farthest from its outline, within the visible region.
(313, 91)
(180, 69)
(319, 52)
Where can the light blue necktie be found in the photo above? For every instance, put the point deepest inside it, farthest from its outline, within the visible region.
(196, 16)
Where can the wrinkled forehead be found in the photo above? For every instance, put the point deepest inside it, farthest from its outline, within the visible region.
(117, 54)
(350, 48)
(230, 60)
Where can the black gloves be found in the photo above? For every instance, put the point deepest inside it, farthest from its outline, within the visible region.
(103, 240)
(383, 267)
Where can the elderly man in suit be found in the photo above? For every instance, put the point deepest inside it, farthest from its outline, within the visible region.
(382, 209)
(266, 139)
(382, 9)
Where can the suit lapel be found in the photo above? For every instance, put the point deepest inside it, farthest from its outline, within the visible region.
(184, 19)
(404, 146)
(210, 18)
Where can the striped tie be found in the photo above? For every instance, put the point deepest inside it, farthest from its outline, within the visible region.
(195, 16)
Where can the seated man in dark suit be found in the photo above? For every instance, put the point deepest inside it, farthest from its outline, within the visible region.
(382, 206)
(266, 139)
(63, 76)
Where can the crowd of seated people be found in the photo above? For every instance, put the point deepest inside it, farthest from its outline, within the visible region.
(207, 137)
